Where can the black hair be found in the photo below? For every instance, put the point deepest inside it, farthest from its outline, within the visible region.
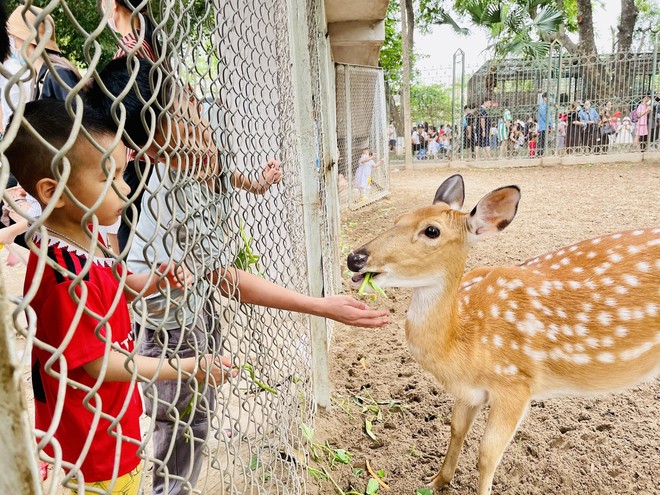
(116, 77)
(29, 157)
(4, 36)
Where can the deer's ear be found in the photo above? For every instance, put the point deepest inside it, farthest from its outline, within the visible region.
(452, 192)
(493, 212)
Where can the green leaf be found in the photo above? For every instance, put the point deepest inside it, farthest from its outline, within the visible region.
(368, 427)
(307, 432)
(372, 487)
(342, 456)
(358, 472)
(423, 491)
(255, 463)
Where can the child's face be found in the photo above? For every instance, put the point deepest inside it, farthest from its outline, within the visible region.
(96, 185)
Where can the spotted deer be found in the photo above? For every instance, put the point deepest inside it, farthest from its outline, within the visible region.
(582, 320)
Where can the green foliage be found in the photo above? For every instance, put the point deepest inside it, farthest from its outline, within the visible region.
(391, 54)
(517, 27)
(430, 103)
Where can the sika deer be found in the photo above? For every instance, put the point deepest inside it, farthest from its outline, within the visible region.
(582, 320)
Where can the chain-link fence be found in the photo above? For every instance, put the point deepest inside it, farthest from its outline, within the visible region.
(362, 135)
(524, 109)
(237, 71)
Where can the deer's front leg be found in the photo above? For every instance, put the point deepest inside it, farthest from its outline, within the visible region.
(462, 418)
(506, 413)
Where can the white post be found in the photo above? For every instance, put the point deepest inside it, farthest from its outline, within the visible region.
(19, 473)
(303, 115)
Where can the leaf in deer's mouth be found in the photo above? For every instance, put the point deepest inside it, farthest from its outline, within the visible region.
(367, 280)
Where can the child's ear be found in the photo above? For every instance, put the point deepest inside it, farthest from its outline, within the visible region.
(45, 190)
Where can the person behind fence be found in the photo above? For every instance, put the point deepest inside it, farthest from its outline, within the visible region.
(483, 128)
(21, 27)
(589, 119)
(545, 121)
(94, 349)
(624, 133)
(185, 216)
(391, 136)
(366, 163)
(573, 127)
(642, 126)
(469, 129)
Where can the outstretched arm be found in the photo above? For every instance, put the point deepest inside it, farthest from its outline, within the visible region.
(270, 174)
(255, 290)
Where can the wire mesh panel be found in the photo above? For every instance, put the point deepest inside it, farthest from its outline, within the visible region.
(361, 135)
(212, 119)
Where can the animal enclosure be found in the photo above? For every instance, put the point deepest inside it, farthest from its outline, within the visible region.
(606, 444)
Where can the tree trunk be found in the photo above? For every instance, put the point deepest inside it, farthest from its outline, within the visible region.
(407, 27)
(586, 43)
(394, 110)
(628, 19)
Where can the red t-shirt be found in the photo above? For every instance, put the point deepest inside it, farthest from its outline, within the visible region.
(80, 344)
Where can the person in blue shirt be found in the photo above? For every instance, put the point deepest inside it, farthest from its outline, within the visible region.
(589, 118)
(545, 122)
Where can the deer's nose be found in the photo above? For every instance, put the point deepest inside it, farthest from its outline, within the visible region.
(357, 260)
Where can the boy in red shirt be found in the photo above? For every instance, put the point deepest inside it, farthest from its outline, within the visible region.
(85, 368)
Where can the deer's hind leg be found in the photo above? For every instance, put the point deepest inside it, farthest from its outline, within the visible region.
(462, 417)
(505, 415)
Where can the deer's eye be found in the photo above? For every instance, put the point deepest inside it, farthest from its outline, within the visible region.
(432, 232)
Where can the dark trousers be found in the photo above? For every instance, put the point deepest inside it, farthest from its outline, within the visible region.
(540, 147)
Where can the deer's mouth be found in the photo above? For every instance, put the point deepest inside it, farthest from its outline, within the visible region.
(357, 278)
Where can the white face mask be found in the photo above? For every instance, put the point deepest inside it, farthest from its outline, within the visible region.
(14, 53)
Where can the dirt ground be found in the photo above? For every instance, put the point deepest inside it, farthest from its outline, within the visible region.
(602, 445)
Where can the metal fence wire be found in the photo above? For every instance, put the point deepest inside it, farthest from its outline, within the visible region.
(235, 62)
(547, 107)
(362, 135)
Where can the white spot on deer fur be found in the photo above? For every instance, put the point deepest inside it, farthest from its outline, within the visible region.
(536, 304)
(605, 357)
(625, 314)
(596, 296)
(620, 331)
(560, 252)
(512, 369)
(604, 318)
(545, 288)
(633, 249)
(531, 325)
(591, 254)
(607, 341)
(561, 313)
(631, 280)
(513, 304)
(569, 347)
(616, 236)
(587, 307)
(655, 231)
(503, 294)
(599, 270)
(581, 330)
(572, 249)
(638, 232)
(532, 292)
(596, 240)
(498, 341)
(498, 369)
(556, 266)
(510, 316)
(565, 261)
(636, 352)
(567, 330)
(607, 281)
(589, 284)
(548, 256)
(495, 311)
(535, 354)
(583, 317)
(480, 314)
(652, 309)
(615, 258)
(501, 282)
(621, 289)
(490, 289)
(581, 359)
(515, 346)
(574, 284)
(579, 348)
(592, 342)
(484, 340)
(578, 269)
(466, 300)
(643, 266)
(638, 314)
(558, 285)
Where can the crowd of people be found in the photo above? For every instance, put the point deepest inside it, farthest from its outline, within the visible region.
(78, 280)
(491, 130)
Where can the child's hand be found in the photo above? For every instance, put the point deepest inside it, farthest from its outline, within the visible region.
(178, 277)
(220, 368)
(345, 309)
(270, 174)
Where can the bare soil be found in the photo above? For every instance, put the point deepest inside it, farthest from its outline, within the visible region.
(603, 445)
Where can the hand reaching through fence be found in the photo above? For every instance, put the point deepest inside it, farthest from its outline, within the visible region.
(270, 174)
